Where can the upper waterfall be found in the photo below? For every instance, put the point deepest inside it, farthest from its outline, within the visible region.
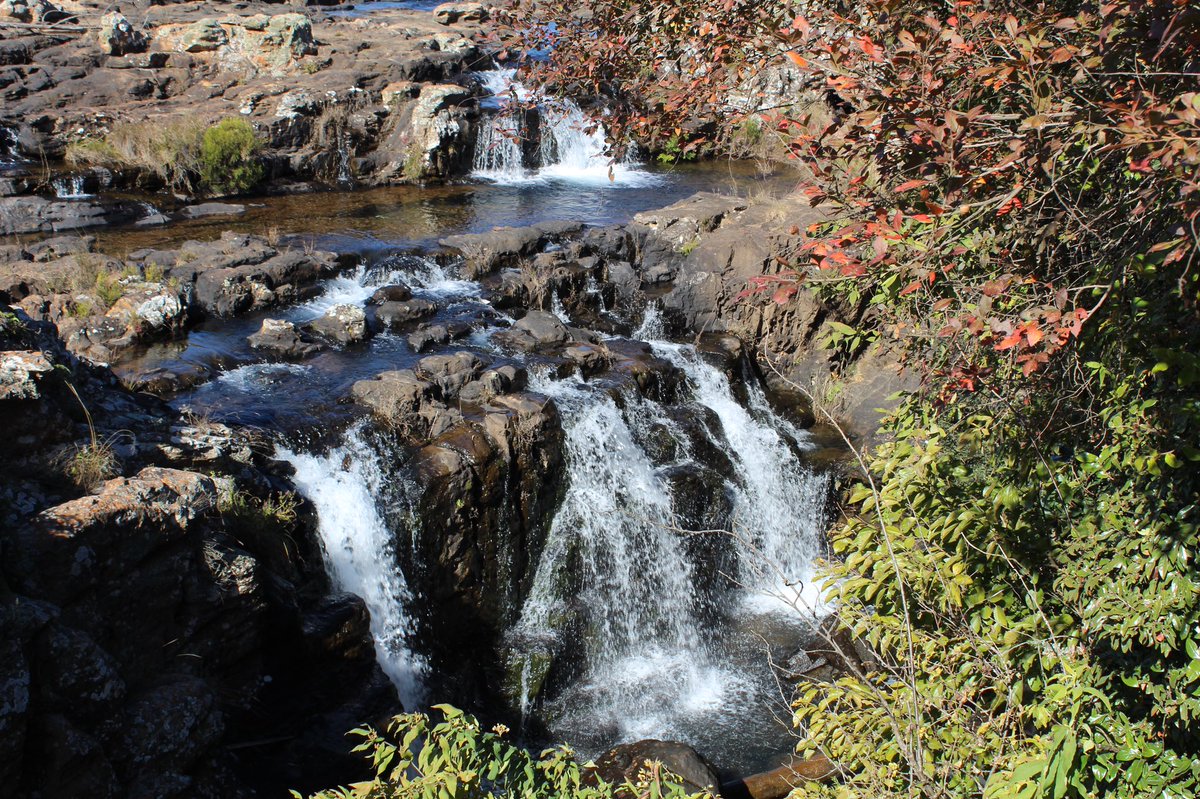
(562, 144)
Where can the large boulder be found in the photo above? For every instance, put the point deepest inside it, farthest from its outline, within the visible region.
(536, 330)
(625, 762)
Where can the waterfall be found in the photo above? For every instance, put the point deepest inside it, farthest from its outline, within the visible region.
(632, 599)
(570, 146)
(346, 486)
(780, 503)
(8, 146)
(70, 187)
(499, 154)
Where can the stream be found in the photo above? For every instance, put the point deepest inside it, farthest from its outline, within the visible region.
(667, 604)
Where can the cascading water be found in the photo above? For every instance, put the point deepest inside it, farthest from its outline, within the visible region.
(779, 503)
(570, 146)
(618, 590)
(70, 187)
(346, 485)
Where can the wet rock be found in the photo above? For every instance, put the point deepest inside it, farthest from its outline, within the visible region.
(394, 293)
(590, 358)
(163, 381)
(450, 372)
(394, 396)
(201, 210)
(537, 329)
(505, 246)
(281, 338)
(345, 324)
(622, 763)
(450, 13)
(118, 36)
(395, 314)
(28, 214)
(21, 373)
(427, 337)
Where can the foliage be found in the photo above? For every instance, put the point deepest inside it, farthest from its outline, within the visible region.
(165, 148)
(229, 157)
(1013, 192)
(182, 153)
(456, 759)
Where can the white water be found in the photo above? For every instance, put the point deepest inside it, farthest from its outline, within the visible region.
(70, 187)
(571, 147)
(424, 276)
(780, 503)
(359, 549)
(649, 672)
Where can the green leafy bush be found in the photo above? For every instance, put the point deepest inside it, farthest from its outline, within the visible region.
(229, 157)
(455, 759)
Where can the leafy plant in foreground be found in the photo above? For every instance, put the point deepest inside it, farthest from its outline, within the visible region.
(415, 758)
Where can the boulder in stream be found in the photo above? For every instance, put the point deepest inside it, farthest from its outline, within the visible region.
(345, 324)
(622, 763)
(281, 337)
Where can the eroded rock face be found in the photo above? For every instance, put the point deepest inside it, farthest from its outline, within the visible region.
(144, 625)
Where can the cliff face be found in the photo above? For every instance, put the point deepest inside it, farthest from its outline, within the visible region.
(158, 627)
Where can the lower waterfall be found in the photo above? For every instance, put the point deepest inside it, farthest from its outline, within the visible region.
(347, 485)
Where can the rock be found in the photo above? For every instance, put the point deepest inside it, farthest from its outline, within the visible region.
(394, 314)
(21, 374)
(622, 763)
(202, 36)
(32, 11)
(780, 782)
(290, 36)
(345, 324)
(505, 246)
(396, 293)
(118, 36)
(450, 13)
(537, 329)
(31, 214)
(450, 372)
(590, 358)
(94, 540)
(281, 338)
(438, 140)
(201, 210)
(427, 337)
(394, 396)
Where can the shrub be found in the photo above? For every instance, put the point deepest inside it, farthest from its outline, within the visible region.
(229, 157)
(456, 759)
(167, 148)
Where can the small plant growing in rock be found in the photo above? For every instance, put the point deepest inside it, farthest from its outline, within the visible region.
(108, 289)
(229, 157)
(91, 464)
(153, 273)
